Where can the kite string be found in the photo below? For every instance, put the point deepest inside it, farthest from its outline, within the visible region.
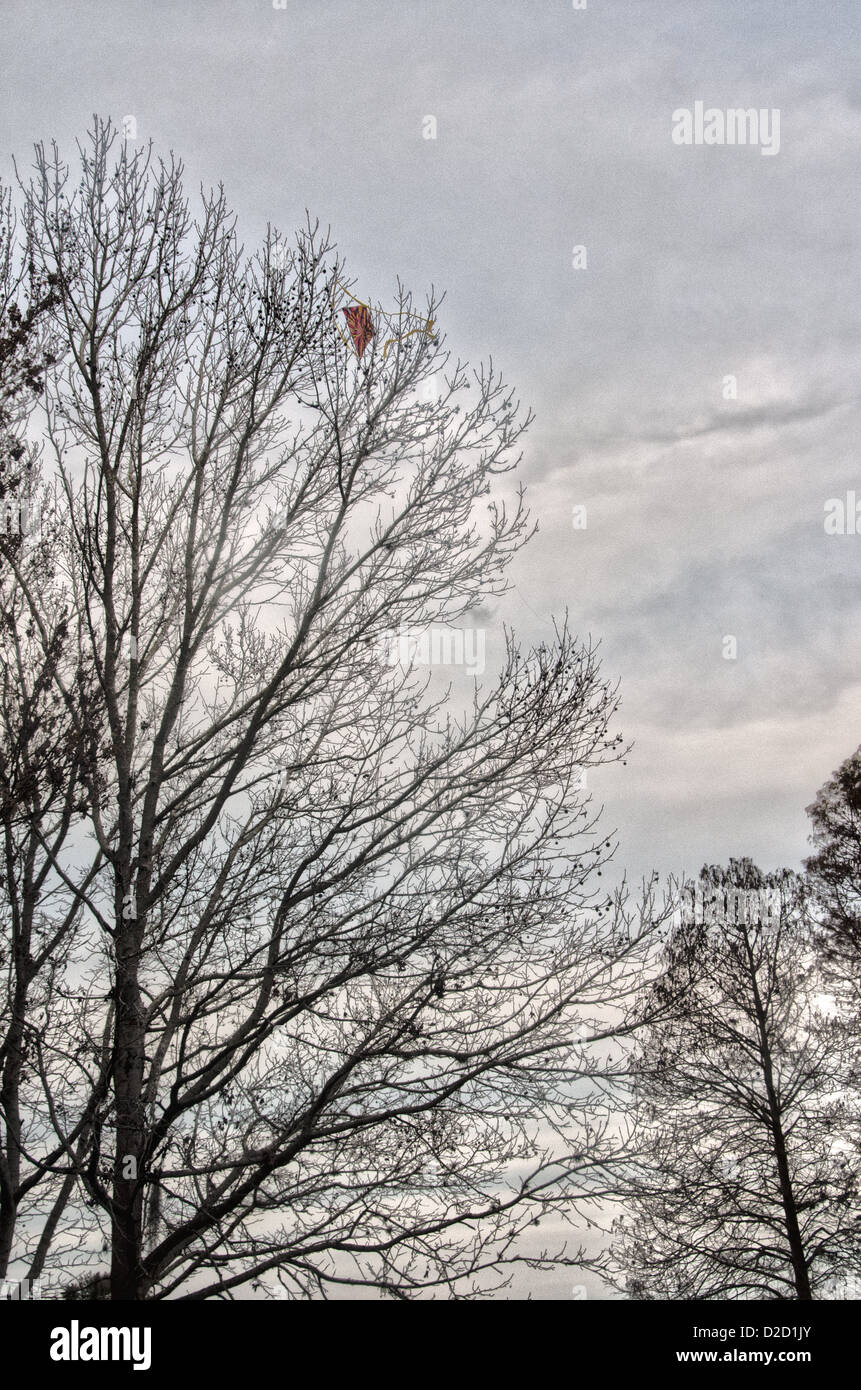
(337, 285)
(426, 328)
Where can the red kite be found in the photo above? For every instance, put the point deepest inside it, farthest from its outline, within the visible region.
(361, 326)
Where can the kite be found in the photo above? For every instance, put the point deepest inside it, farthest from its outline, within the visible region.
(361, 324)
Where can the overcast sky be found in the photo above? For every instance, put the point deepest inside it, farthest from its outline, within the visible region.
(705, 515)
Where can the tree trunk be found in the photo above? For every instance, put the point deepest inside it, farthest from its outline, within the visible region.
(127, 1280)
(13, 1062)
(10, 1155)
(787, 1195)
(790, 1211)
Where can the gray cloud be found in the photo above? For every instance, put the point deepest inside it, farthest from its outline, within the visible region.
(553, 131)
(705, 515)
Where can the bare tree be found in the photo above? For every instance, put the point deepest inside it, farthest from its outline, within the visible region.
(746, 1181)
(340, 970)
(25, 299)
(42, 797)
(834, 875)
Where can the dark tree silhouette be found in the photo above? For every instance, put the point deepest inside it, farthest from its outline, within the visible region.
(834, 875)
(337, 954)
(43, 761)
(747, 1182)
(26, 297)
